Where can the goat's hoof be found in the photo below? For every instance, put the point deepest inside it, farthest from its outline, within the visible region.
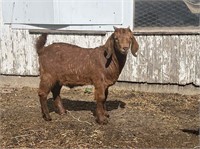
(102, 120)
(61, 112)
(107, 115)
(47, 118)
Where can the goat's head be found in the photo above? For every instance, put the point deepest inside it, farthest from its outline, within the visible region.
(122, 39)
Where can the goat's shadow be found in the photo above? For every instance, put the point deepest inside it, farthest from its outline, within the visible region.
(79, 105)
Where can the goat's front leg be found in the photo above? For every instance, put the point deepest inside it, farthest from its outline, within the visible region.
(100, 97)
(105, 109)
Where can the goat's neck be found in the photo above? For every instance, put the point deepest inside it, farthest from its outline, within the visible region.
(119, 61)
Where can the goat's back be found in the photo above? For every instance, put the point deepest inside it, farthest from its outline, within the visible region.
(70, 64)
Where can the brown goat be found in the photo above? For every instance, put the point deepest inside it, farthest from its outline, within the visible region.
(70, 65)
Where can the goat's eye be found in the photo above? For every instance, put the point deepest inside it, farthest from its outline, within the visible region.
(116, 39)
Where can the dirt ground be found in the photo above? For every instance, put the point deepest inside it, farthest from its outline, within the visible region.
(137, 120)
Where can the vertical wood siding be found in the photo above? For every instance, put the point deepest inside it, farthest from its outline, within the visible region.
(161, 59)
(170, 59)
(197, 64)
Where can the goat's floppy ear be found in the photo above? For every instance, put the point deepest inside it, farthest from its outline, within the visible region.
(134, 46)
(109, 45)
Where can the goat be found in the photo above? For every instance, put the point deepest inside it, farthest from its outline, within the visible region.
(70, 65)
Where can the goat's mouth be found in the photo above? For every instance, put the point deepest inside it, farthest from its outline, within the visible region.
(124, 52)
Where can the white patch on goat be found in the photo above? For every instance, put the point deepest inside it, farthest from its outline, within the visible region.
(70, 66)
(77, 77)
(57, 46)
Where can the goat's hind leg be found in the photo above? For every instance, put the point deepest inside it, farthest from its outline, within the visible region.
(57, 100)
(43, 92)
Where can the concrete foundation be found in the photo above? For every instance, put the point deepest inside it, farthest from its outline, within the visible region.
(19, 82)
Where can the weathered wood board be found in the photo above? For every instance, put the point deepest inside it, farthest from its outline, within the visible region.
(161, 59)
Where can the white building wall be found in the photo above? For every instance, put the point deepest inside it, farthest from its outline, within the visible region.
(161, 59)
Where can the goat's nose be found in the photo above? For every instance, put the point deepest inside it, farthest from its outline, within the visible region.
(126, 48)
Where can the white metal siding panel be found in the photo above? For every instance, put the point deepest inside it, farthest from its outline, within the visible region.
(28, 11)
(63, 12)
(88, 12)
(68, 15)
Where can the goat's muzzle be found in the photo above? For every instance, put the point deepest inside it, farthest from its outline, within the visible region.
(124, 50)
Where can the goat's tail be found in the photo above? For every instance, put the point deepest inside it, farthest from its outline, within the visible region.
(40, 43)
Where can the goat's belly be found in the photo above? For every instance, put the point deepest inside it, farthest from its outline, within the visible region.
(75, 80)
